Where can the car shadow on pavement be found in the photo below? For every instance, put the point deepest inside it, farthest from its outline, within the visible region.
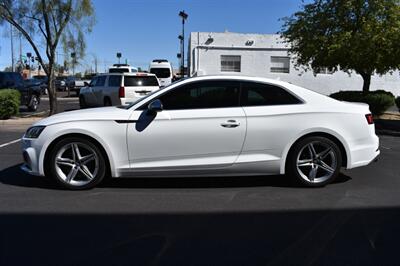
(304, 237)
(16, 177)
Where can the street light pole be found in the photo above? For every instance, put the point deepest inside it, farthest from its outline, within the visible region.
(184, 16)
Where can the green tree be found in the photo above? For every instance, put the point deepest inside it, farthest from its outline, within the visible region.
(359, 35)
(50, 22)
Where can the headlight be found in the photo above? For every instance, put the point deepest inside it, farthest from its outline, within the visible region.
(34, 132)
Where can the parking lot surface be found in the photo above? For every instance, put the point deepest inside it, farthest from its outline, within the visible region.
(201, 221)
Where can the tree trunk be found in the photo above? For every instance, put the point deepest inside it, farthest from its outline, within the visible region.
(52, 92)
(367, 81)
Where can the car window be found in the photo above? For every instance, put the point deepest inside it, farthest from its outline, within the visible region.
(140, 81)
(161, 72)
(101, 80)
(118, 70)
(258, 94)
(93, 82)
(205, 94)
(114, 81)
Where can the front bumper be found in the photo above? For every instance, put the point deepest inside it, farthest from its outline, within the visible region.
(30, 155)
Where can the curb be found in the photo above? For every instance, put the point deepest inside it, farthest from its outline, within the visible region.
(20, 121)
(387, 132)
(61, 99)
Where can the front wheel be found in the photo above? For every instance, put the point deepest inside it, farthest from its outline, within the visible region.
(314, 161)
(77, 163)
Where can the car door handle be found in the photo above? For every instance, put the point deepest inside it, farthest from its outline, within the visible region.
(230, 124)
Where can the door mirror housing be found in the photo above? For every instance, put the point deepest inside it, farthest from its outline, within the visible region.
(86, 84)
(155, 106)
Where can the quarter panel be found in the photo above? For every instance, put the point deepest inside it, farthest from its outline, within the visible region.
(272, 130)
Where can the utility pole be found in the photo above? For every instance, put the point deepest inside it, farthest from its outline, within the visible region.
(12, 48)
(184, 16)
(20, 51)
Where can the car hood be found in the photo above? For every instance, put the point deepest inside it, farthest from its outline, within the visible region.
(92, 114)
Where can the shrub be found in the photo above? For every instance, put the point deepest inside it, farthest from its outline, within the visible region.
(379, 101)
(398, 102)
(9, 103)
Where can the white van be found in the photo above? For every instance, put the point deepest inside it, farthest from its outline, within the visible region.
(122, 68)
(163, 70)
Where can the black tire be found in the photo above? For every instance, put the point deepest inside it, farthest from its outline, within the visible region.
(82, 102)
(107, 102)
(80, 181)
(315, 171)
(34, 103)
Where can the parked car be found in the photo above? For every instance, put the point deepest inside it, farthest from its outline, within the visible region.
(117, 89)
(42, 80)
(30, 93)
(75, 84)
(60, 84)
(163, 70)
(122, 68)
(206, 126)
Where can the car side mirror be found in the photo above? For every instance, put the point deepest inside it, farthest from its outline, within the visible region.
(86, 84)
(155, 106)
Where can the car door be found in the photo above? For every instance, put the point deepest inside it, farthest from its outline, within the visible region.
(271, 120)
(90, 98)
(98, 90)
(114, 83)
(201, 126)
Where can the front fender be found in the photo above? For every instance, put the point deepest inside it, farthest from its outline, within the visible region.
(74, 130)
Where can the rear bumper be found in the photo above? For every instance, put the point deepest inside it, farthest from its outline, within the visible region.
(364, 153)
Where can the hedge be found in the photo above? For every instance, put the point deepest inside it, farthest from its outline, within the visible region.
(9, 103)
(379, 101)
(398, 102)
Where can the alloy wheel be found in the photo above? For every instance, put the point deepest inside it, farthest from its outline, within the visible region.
(77, 164)
(316, 162)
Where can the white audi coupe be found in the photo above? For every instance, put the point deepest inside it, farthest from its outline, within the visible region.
(206, 126)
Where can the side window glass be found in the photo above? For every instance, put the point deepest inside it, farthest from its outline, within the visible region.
(101, 81)
(114, 81)
(259, 94)
(93, 82)
(204, 94)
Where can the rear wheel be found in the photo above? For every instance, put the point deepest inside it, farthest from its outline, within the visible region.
(77, 163)
(107, 102)
(314, 161)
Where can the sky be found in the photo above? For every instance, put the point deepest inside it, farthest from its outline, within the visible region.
(143, 30)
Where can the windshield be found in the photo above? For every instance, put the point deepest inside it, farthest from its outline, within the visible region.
(118, 70)
(141, 81)
(161, 72)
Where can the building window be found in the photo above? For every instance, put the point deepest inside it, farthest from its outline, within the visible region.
(230, 63)
(324, 70)
(280, 64)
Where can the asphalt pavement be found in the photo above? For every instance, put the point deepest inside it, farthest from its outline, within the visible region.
(201, 221)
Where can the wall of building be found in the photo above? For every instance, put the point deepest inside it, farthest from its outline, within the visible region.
(255, 50)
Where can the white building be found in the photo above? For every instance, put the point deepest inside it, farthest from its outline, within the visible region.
(266, 55)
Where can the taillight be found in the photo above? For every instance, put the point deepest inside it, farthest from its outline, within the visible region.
(370, 119)
(121, 92)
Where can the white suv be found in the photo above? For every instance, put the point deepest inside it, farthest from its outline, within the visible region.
(117, 89)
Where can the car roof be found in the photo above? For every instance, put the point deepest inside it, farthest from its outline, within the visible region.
(127, 74)
(305, 94)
